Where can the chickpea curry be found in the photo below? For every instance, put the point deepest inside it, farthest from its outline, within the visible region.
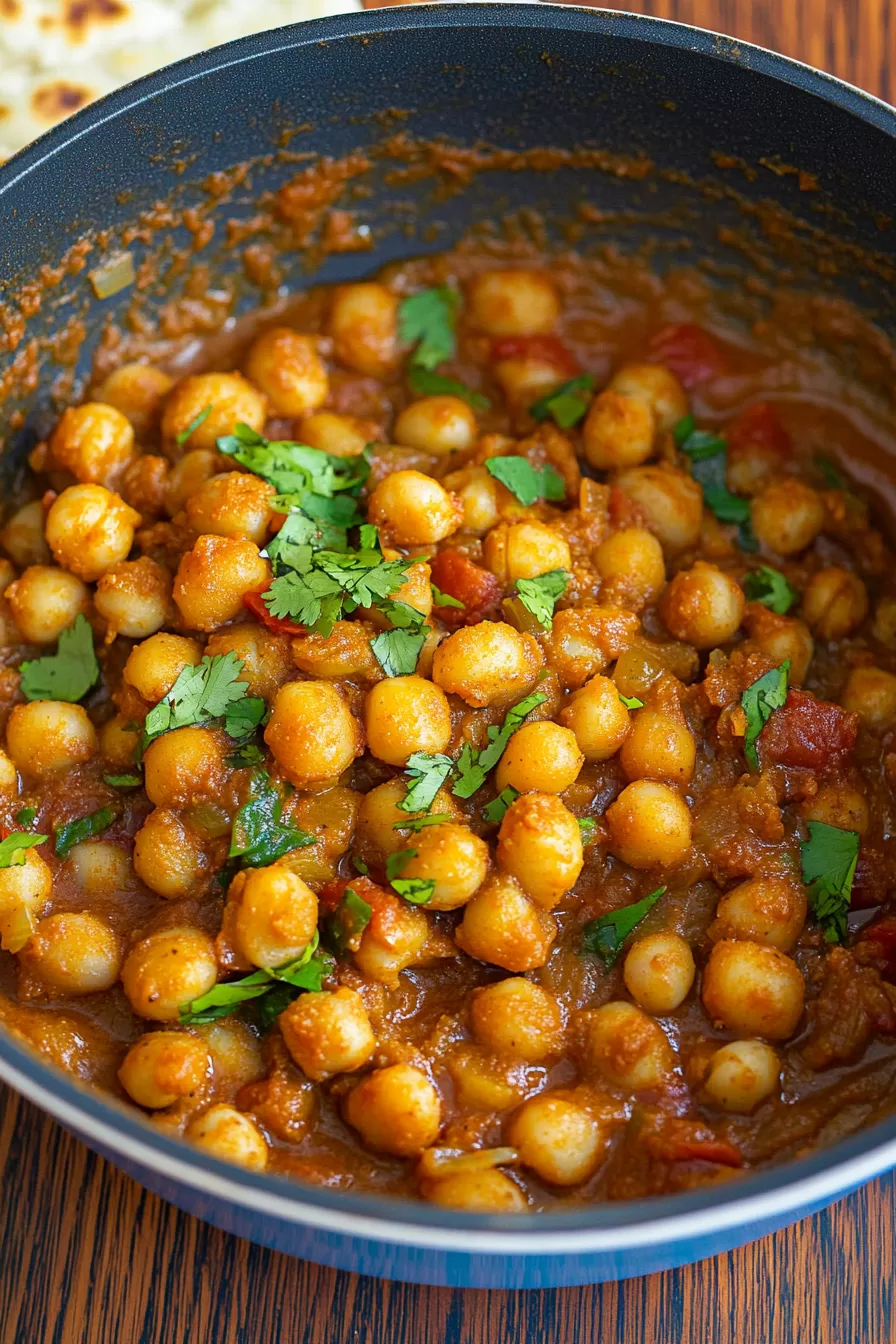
(435, 767)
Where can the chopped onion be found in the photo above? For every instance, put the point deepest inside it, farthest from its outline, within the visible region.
(437, 1163)
(16, 927)
(114, 275)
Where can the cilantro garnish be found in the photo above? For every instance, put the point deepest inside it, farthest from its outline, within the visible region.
(26, 816)
(830, 473)
(427, 775)
(427, 320)
(194, 424)
(306, 972)
(335, 583)
(759, 702)
(360, 866)
(829, 858)
(416, 890)
(397, 651)
(123, 781)
(260, 836)
(428, 384)
(67, 674)
(605, 935)
(307, 475)
(348, 921)
(473, 765)
(630, 701)
(495, 810)
(71, 833)
(567, 404)
(441, 599)
(525, 482)
(709, 462)
(416, 824)
(201, 694)
(771, 588)
(539, 596)
(12, 848)
(397, 861)
(587, 827)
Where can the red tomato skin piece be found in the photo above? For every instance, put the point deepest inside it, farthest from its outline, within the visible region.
(689, 352)
(457, 576)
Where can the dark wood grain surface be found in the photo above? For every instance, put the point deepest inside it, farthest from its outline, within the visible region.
(87, 1255)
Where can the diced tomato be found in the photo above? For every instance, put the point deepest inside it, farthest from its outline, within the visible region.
(332, 893)
(873, 879)
(758, 427)
(623, 510)
(548, 349)
(279, 624)
(879, 939)
(690, 353)
(681, 1140)
(458, 577)
(809, 734)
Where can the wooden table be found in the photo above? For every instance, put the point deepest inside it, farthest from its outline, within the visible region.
(86, 1255)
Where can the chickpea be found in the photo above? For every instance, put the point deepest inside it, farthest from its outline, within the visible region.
(312, 732)
(167, 970)
(413, 509)
(406, 714)
(487, 664)
(232, 400)
(168, 857)
(884, 628)
(235, 1050)
(658, 972)
(437, 425)
(213, 578)
(144, 485)
(287, 368)
(137, 390)
(513, 302)
(90, 529)
(618, 431)
(188, 475)
(502, 926)
(94, 442)
(787, 516)
(478, 1191)
(23, 536)
(99, 866)
(658, 387)
(517, 1017)
(650, 825)
(837, 805)
(628, 1048)
(363, 323)
(631, 567)
(228, 1134)
(185, 767)
(558, 1139)
(524, 551)
(834, 602)
(7, 575)
(266, 657)
(670, 500)
(379, 817)
(525, 380)
(45, 601)
(154, 666)
(395, 1110)
(703, 606)
(339, 435)
(741, 1075)
(542, 757)
(328, 1032)
(270, 916)
(659, 746)
(46, 737)
(540, 844)
(753, 990)
(119, 744)
(25, 888)
(454, 858)
(781, 638)
(164, 1066)
(479, 495)
(74, 954)
(135, 598)
(869, 692)
(233, 504)
(9, 777)
(766, 910)
(342, 654)
(597, 717)
(392, 941)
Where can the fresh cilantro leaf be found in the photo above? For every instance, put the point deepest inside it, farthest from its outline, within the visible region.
(427, 775)
(396, 862)
(428, 384)
(298, 539)
(416, 890)
(26, 816)
(771, 588)
(587, 826)
(243, 717)
(348, 921)
(397, 652)
(306, 972)
(199, 695)
(427, 319)
(746, 538)
(630, 701)
(829, 858)
(71, 833)
(370, 537)
(402, 615)
(360, 866)
(759, 702)
(194, 424)
(313, 600)
(682, 431)
(539, 596)
(495, 810)
(441, 599)
(294, 469)
(337, 582)
(567, 404)
(709, 461)
(830, 473)
(123, 781)
(525, 482)
(12, 848)
(415, 824)
(700, 444)
(605, 935)
(246, 755)
(67, 674)
(259, 835)
(473, 765)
